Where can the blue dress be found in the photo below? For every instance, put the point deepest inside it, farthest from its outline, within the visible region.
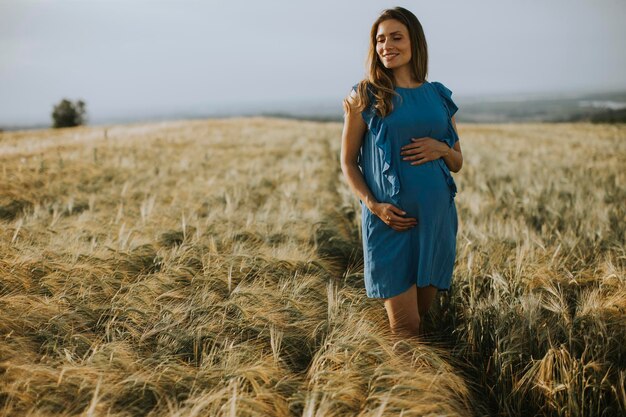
(424, 254)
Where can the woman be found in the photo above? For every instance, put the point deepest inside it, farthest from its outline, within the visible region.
(399, 144)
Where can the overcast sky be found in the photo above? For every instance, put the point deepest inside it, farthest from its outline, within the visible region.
(137, 57)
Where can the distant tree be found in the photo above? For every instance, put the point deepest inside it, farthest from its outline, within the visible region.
(68, 114)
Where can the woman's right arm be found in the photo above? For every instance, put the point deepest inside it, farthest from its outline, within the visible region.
(354, 128)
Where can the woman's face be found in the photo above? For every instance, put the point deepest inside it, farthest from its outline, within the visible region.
(393, 45)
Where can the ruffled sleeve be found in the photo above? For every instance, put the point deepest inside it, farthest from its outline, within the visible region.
(369, 114)
(379, 131)
(355, 88)
(451, 108)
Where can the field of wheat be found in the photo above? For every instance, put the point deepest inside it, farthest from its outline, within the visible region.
(214, 267)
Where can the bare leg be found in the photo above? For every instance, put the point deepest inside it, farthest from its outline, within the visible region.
(425, 297)
(404, 318)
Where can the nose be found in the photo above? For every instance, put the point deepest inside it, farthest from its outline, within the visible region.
(386, 45)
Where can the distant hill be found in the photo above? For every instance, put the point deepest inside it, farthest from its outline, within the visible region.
(595, 108)
(600, 107)
(604, 116)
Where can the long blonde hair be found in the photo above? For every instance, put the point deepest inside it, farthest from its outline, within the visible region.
(379, 84)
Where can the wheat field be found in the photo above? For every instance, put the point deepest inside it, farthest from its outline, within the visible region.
(214, 268)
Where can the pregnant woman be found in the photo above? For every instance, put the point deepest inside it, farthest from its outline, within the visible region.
(399, 144)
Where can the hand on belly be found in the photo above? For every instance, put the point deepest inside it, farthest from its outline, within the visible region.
(422, 150)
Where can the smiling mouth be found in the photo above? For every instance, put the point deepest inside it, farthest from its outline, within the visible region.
(390, 56)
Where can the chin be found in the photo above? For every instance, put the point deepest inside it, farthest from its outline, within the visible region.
(392, 65)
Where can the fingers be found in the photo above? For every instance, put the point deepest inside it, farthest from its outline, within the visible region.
(418, 158)
(397, 216)
(396, 210)
(415, 153)
(421, 161)
(410, 149)
(401, 220)
(401, 228)
(416, 143)
(394, 218)
(414, 157)
(418, 149)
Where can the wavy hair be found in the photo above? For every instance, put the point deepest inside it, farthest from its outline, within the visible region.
(379, 84)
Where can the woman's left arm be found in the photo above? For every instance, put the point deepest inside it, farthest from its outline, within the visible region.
(426, 149)
(453, 157)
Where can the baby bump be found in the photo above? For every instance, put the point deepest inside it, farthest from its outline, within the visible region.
(423, 188)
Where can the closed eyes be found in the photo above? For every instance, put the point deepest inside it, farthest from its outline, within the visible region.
(395, 39)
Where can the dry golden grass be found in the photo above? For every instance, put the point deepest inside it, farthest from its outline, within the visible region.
(214, 268)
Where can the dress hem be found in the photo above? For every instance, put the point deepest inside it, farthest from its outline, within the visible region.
(378, 296)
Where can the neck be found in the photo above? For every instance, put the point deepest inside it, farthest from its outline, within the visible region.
(403, 77)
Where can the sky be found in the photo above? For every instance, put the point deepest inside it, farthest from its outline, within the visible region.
(132, 57)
